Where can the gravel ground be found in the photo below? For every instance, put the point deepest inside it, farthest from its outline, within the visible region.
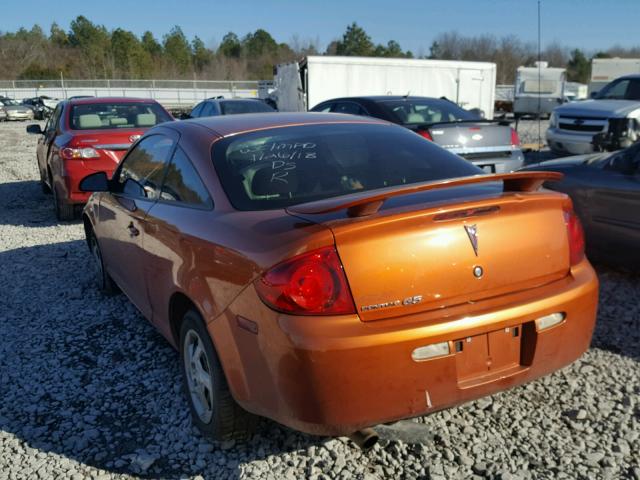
(88, 389)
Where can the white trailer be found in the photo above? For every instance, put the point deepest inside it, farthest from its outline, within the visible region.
(538, 90)
(605, 70)
(302, 85)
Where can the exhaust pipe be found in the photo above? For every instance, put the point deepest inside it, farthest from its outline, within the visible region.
(365, 438)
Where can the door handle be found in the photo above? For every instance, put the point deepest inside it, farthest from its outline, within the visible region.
(133, 231)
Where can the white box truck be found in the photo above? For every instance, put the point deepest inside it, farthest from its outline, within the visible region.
(605, 70)
(302, 85)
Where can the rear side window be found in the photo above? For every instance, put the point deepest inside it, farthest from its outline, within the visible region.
(103, 116)
(350, 108)
(142, 170)
(234, 107)
(208, 110)
(281, 167)
(183, 184)
(197, 110)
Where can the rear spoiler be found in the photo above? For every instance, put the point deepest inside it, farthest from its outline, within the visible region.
(361, 204)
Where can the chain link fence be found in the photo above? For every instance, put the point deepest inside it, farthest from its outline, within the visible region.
(171, 93)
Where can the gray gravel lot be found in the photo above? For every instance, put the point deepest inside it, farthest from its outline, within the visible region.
(88, 389)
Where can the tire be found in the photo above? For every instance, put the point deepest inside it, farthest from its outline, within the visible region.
(64, 211)
(105, 283)
(213, 409)
(43, 185)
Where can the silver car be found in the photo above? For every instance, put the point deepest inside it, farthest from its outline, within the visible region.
(491, 145)
(15, 110)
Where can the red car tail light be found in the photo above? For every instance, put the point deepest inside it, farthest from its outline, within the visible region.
(69, 153)
(576, 236)
(515, 138)
(313, 283)
(425, 134)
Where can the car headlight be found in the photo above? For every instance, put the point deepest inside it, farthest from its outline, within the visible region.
(553, 120)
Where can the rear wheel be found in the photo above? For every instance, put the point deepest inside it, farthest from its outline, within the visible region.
(103, 279)
(213, 409)
(64, 211)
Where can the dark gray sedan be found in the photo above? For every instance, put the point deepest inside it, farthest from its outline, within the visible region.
(491, 145)
(605, 189)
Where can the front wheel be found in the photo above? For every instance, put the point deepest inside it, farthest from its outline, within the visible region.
(213, 409)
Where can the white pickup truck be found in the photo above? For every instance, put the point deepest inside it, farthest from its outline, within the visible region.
(609, 121)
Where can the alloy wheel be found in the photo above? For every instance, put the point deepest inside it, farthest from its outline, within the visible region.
(198, 372)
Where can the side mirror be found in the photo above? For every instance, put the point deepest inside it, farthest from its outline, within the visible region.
(35, 129)
(478, 112)
(96, 182)
(593, 94)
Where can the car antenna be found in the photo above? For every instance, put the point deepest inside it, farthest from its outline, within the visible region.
(407, 95)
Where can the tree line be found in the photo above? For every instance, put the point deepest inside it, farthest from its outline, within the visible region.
(91, 51)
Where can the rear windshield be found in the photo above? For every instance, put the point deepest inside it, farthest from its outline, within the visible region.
(96, 116)
(281, 167)
(240, 106)
(411, 112)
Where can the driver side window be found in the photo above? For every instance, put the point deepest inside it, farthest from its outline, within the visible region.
(52, 123)
(142, 171)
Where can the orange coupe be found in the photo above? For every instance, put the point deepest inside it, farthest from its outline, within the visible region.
(333, 272)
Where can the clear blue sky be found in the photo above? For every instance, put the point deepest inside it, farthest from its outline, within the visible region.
(588, 24)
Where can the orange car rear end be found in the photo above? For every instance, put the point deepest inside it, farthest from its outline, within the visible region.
(344, 272)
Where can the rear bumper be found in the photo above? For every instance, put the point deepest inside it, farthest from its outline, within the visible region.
(572, 143)
(335, 375)
(74, 172)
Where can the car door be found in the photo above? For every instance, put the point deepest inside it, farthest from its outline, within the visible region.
(614, 205)
(122, 213)
(45, 142)
(176, 223)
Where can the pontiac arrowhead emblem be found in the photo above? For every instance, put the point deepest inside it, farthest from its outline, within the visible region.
(472, 233)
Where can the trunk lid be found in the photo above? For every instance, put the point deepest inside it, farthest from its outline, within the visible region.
(470, 136)
(111, 145)
(423, 258)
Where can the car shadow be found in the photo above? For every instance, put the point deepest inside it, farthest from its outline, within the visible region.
(19, 197)
(84, 377)
(618, 327)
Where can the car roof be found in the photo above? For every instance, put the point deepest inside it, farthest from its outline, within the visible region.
(633, 76)
(381, 98)
(222, 100)
(94, 100)
(225, 125)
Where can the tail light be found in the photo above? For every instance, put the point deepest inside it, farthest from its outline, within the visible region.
(425, 134)
(313, 283)
(576, 236)
(515, 139)
(69, 153)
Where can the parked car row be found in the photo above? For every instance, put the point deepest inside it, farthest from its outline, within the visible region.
(38, 108)
(303, 263)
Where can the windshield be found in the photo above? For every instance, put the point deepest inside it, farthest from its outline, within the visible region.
(8, 102)
(622, 89)
(244, 106)
(415, 111)
(281, 167)
(101, 116)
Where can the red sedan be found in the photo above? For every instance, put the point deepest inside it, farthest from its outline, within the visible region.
(88, 135)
